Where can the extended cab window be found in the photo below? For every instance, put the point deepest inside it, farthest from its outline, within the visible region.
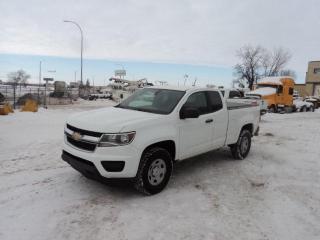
(234, 94)
(198, 100)
(215, 101)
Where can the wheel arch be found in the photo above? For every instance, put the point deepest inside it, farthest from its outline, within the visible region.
(168, 145)
(249, 127)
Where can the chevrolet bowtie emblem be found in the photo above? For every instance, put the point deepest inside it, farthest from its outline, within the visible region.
(76, 136)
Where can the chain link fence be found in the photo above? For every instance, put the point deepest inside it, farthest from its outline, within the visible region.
(17, 95)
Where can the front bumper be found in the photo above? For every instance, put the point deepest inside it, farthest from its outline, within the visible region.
(121, 161)
(85, 167)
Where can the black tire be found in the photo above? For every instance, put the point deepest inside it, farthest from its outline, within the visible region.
(272, 109)
(238, 150)
(311, 109)
(303, 109)
(146, 181)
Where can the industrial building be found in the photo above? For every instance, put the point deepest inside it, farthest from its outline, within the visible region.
(312, 85)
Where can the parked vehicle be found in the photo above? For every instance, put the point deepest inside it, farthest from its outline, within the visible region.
(303, 106)
(140, 138)
(277, 92)
(232, 93)
(314, 100)
(238, 94)
(95, 96)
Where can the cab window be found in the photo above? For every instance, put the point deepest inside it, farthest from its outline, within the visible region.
(280, 89)
(290, 91)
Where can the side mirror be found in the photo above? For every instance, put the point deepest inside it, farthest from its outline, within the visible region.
(189, 112)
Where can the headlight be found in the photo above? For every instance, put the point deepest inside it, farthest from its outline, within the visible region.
(117, 139)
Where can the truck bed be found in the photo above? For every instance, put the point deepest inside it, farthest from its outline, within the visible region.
(241, 112)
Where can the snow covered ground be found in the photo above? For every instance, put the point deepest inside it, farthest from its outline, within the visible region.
(273, 194)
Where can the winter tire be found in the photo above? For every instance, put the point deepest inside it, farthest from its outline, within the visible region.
(154, 171)
(242, 147)
(272, 109)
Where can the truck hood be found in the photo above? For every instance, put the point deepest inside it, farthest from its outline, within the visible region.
(109, 120)
(265, 91)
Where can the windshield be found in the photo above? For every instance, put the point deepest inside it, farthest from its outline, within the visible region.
(161, 101)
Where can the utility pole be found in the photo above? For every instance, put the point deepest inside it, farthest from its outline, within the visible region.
(14, 95)
(194, 83)
(185, 79)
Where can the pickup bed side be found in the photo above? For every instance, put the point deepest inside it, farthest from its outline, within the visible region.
(240, 114)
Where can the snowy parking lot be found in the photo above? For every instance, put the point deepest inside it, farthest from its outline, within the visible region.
(273, 194)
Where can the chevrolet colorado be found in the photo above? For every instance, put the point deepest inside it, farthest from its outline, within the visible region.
(141, 138)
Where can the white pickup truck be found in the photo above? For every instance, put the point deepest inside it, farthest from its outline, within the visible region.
(140, 138)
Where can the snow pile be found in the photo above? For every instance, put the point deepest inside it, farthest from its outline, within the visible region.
(272, 80)
(264, 91)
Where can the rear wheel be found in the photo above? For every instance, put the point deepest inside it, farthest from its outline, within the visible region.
(311, 109)
(272, 109)
(303, 109)
(154, 171)
(242, 147)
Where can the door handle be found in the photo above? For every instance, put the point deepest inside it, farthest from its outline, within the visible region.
(210, 120)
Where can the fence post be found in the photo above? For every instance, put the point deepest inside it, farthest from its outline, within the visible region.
(14, 96)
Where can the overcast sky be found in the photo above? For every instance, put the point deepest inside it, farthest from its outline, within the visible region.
(196, 32)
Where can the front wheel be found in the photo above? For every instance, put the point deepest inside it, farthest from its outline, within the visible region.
(242, 147)
(154, 171)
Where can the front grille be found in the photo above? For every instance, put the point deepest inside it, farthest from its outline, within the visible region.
(84, 132)
(81, 144)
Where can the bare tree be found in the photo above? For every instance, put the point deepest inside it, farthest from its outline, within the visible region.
(257, 62)
(274, 62)
(18, 77)
(15, 78)
(250, 64)
(288, 72)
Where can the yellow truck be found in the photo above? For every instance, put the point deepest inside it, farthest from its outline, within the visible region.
(277, 92)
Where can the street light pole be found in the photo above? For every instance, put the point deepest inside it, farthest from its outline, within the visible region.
(68, 21)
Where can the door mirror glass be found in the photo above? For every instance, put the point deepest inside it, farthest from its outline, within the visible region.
(189, 112)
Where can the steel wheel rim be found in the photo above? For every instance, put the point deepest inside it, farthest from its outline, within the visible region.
(244, 145)
(157, 172)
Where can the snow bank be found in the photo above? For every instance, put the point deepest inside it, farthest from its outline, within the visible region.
(272, 80)
(265, 91)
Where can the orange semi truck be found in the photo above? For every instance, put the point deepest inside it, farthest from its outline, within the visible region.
(277, 92)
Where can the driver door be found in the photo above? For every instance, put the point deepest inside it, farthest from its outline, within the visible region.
(196, 133)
